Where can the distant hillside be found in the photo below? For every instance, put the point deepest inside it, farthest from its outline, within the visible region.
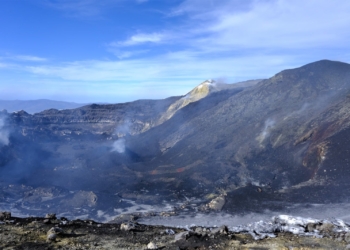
(36, 106)
(262, 143)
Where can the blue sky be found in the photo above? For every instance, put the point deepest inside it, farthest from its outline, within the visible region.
(123, 50)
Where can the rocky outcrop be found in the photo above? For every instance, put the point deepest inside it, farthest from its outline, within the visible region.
(276, 135)
(113, 120)
(108, 120)
(281, 139)
(34, 233)
(200, 92)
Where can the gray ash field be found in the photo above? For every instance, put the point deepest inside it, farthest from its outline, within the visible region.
(261, 148)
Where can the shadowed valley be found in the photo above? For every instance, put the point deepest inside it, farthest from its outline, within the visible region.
(282, 139)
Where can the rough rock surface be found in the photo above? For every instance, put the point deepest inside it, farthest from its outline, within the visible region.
(284, 139)
(33, 233)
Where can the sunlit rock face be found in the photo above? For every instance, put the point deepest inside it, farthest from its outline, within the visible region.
(283, 139)
(201, 91)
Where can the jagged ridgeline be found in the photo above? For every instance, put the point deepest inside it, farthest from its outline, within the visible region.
(285, 138)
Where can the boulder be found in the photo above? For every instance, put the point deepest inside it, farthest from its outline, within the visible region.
(127, 226)
(219, 230)
(183, 235)
(152, 245)
(5, 216)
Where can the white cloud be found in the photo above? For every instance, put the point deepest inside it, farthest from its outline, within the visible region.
(124, 54)
(3, 65)
(174, 73)
(140, 39)
(22, 58)
(234, 39)
(81, 8)
(171, 67)
(199, 9)
(268, 24)
(28, 58)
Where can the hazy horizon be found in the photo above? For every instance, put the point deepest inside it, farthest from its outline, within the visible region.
(118, 51)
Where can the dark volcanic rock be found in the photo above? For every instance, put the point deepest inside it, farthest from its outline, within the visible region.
(33, 233)
(279, 136)
(282, 139)
(5, 216)
(94, 119)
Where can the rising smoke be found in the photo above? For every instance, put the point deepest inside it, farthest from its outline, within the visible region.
(269, 125)
(119, 146)
(4, 132)
(121, 131)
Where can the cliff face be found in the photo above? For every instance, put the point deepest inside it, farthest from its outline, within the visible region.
(283, 138)
(281, 135)
(111, 120)
(201, 91)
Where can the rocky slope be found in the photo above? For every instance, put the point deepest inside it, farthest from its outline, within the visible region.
(202, 90)
(287, 134)
(110, 119)
(282, 139)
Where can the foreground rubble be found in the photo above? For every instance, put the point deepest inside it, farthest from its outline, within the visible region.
(50, 232)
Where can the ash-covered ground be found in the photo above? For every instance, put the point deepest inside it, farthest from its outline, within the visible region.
(220, 155)
(268, 224)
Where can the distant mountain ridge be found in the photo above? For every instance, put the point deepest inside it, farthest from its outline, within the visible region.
(36, 106)
(282, 135)
(285, 138)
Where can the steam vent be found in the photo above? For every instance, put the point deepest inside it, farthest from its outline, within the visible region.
(271, 150)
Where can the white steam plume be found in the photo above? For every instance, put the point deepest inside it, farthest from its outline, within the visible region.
(122, 130)
(4, 132)
(269, 124)
(119, 146)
